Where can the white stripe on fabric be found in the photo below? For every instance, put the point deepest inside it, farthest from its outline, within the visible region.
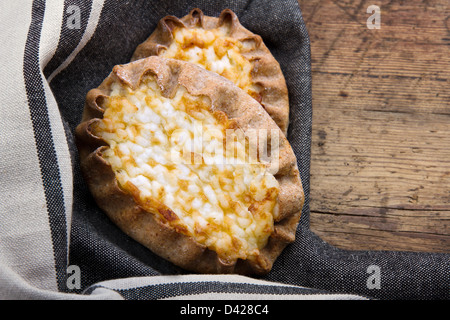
(25, 236)
(136, 282)
(49, 40)
(262, 296)
(94, 16)
(238, 288)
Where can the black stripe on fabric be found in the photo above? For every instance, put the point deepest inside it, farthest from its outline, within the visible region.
(168, 290)
(44, 143)
(69, 38)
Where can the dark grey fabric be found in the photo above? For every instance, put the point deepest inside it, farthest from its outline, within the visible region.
(103, 252)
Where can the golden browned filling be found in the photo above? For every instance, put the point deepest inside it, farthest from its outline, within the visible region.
(182, 162)
(215, 51)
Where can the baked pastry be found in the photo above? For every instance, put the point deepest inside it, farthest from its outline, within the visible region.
(166, 149)
(224, 46)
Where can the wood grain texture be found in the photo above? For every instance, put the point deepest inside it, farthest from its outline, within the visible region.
(380, 163)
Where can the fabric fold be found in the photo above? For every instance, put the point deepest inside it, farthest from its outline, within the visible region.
(50, 222)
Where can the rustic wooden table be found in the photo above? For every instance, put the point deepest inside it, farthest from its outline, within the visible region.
(380, 164)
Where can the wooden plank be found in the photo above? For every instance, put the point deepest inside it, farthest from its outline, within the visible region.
(380, 163)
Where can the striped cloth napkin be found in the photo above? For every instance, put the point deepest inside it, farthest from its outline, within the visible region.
(54, 241)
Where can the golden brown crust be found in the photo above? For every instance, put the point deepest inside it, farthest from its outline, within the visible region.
(144, 226)
(266, 72)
